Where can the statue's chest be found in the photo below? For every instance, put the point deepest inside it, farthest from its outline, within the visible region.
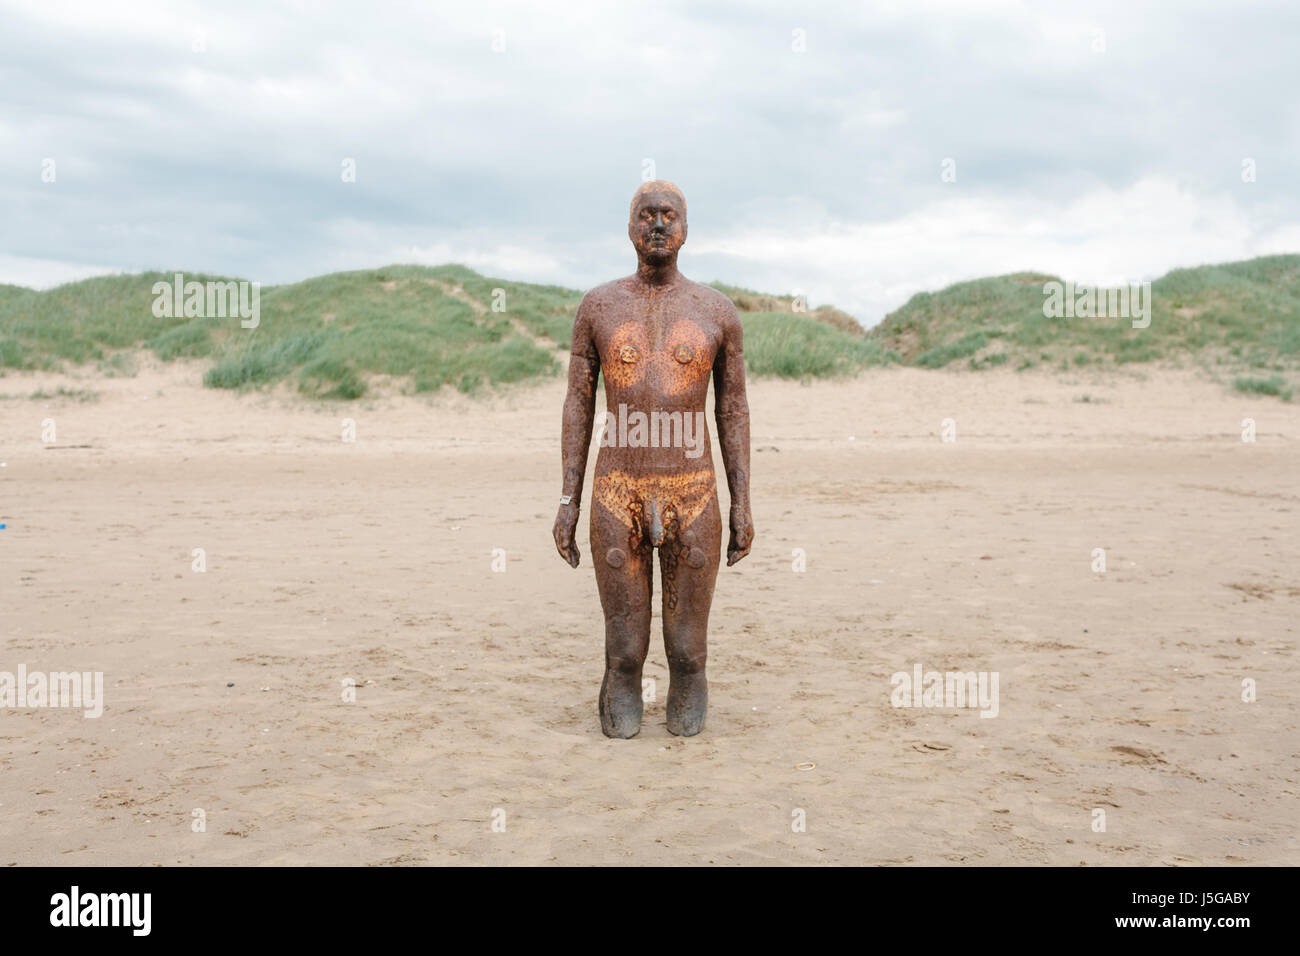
(674, 353)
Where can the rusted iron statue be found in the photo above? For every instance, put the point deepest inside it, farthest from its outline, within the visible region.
(657, 336)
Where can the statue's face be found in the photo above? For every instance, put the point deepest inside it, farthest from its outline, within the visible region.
(658, 226)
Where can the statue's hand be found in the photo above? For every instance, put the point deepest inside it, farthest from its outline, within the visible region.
(742, 536)
(565, 521)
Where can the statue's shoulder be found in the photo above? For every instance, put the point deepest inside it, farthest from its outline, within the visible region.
(605, 294)
(717, 305)
(706, 293)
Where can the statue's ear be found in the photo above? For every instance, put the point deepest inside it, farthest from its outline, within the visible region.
(684, 231)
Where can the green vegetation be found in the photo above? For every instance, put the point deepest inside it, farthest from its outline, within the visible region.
(82, 395)
(747, 300)
(1245, 314)
(811, 343)
(1273, 385)
(431, 327)
(434, 327)
(796, 346)
(329, 336)
(941, 355)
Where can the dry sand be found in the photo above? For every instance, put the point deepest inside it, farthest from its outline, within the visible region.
(476, 690)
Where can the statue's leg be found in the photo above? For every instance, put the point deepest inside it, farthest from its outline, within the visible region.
(689, 570)
(623, 574)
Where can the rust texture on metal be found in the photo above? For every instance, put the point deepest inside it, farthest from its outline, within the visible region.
(656, 338)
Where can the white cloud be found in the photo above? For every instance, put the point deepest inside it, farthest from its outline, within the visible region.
(504, 260)
(1104, 236)
(816, 171)
(45, 273)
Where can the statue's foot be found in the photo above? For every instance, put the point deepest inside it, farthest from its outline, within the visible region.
(620, 705)
(688, 703)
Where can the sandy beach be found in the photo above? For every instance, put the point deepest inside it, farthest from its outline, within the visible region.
(371, 562)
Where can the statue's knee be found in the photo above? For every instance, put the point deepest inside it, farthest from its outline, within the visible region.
(687, 663)
(622, 664)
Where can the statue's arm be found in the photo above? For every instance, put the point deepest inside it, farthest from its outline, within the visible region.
(731, 409)
(575, 433)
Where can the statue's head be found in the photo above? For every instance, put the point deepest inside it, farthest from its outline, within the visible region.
(656, 222)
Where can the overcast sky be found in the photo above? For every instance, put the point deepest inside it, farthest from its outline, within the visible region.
(1103, 142)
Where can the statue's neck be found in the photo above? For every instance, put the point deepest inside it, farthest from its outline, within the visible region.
(664, 273)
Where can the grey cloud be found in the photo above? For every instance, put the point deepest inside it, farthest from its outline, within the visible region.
(228, 160)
